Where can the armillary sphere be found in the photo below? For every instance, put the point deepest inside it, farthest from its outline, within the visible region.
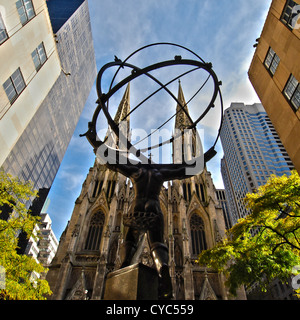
(135, 72)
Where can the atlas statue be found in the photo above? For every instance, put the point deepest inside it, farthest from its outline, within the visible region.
(147, 177)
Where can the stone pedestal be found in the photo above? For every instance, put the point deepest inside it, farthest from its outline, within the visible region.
(136, 282)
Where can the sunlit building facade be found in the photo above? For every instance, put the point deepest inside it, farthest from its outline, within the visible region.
(275, 72)
(48, 73)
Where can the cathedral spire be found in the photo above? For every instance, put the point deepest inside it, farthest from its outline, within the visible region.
(124, 107)
(181, 121)
(122, 111)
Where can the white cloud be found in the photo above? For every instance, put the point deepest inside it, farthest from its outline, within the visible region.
(80, 145)
(70, 178)
(119, 27)
(242, 92)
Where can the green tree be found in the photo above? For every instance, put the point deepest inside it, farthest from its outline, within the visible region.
(265, 245)
(18, 271)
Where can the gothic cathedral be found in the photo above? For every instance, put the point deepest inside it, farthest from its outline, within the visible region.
(89, 247)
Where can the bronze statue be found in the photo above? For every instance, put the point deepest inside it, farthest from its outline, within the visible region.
(147, 180)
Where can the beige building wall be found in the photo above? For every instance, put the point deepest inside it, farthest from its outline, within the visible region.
(270, 88)
(15, 52)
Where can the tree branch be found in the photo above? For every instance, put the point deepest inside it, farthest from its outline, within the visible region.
(298, 204)
(277, 246)
(292, 216)
(296, 236)
(282, 236)
(260, 234)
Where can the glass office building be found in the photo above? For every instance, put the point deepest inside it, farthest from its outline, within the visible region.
(252, 152)
(39, 151)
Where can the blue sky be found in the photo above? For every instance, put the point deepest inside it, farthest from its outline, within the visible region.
(220, 31)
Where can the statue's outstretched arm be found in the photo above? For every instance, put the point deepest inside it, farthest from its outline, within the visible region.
(126, 169)
(179, 171)
(115, 161)
(173, 173)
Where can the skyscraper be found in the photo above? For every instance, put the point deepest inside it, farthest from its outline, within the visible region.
(43, 249)
(252, 152)
(59, 89)
(221, 196)
(30, 66)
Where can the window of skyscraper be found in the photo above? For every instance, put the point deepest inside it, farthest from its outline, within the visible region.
(25, 10)
(290, 14)
(39, 56)
(292, 91)
(14, 85)
(3, 33)
(272, 61)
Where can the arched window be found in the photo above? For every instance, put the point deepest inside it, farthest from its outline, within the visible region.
(121, 203)
(175, 224)
(184, 191)
(118, 222)
(95, 231)
(202, 192)
(189, 191)
(174, 205)
(95, 188)
(197, 234)
(178, 255)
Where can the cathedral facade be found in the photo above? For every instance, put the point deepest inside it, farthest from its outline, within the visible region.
(89, 246)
